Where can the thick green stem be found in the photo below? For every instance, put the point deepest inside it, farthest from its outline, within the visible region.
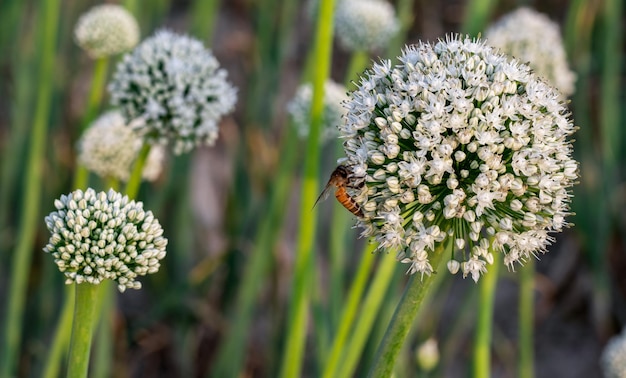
(402, 320)
(87, 297)
(297, 315)
(484, 321)
(203, 18)
(32, 193)
(526, 319)
(132, 187)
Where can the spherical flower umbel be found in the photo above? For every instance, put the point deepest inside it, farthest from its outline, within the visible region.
(98, 236)
(109, 148)
(613, 360)
(534, 39)
(300, 109)
(174, 84)
(462, 148)
(106, 30)
(365, 25)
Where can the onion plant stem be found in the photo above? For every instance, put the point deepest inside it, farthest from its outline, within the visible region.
(32, 192)
(298, 306)
(526, 319)
(82, 329)
(403, 317)
(484, 320)
(132, 187)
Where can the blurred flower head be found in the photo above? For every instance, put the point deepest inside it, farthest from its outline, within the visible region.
(365, 25)
(175, 86)
(106, 30)
(300, 109)
(427, 355)
(613, 359)
(109, 148)
(533, 38)
(459, 147)
(98, 236)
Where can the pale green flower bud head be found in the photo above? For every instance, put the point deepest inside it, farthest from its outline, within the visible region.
(106, 30)
(174, 85)
(469, 189)
(90, 250)
(532, 38)
(109, 147)
(300, 110)
(365, 25)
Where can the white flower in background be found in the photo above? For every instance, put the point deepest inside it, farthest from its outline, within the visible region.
(459, 146)
(365, 25)
(534, 39)
(300, 109)
(174, 84)
(109, 148)
(106, 30)
(613, 359)
(98, 236)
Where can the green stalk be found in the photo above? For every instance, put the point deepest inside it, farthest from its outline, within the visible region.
(203, 18)
(477, 13)
(402, 320)
(611, 97)
(32, 189)
(96, 92)
(104, 338)
(350, 308)
(369, 311)
(82, 330)
(229, 360)
(61, 337)
(526, 319)
(132, 186)
(297, 315)
(484, 320)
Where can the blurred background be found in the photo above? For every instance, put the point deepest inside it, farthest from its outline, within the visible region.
(231, 211)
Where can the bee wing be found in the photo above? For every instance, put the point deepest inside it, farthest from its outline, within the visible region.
(324, 194)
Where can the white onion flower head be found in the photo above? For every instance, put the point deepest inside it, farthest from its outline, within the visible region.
(613, 359)
(459, 147)
(365, 25)
(300, 109)
(174, 84)
(534, 39)
(98, 236)
(109, 148)
(106, 30)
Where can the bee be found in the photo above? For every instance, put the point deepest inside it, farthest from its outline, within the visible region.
(340, 181)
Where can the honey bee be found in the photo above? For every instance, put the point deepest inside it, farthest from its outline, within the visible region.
(340, 181)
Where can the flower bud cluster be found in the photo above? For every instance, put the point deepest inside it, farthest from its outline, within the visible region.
(533, 38)
(365, 25)
(109, 148)
(98, 236)
(300, 109)
(174, 84)
(106, 30)
(459, 147)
